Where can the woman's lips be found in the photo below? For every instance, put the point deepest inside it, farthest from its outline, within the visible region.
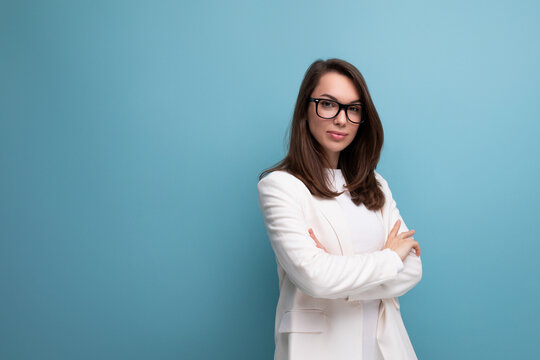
(337, 135)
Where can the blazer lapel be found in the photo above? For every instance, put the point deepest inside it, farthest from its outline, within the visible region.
(381, 219)
(333, 212)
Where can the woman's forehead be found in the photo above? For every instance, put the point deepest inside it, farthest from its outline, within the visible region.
(338, 86)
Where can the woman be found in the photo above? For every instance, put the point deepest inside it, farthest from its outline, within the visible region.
(343, 252)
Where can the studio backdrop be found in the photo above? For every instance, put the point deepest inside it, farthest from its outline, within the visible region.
(132, 134)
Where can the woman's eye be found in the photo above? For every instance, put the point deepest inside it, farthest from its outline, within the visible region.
(327, 104)
(355, 109)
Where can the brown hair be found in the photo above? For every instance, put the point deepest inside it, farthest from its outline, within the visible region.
(306, 159)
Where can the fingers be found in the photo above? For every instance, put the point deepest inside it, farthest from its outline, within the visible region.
(393, 232)
(403, 235)
(416, 247)
(411, 242)
(317, 243)
(407, 234)
(312, 234)
(395, 240)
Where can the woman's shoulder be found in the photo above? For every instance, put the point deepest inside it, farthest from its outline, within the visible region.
(382, 181)
(379, 176)
(281, 179)
(280, 176)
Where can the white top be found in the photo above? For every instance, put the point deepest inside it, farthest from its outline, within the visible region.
(367, 234)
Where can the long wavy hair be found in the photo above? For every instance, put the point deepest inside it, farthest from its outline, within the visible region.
(306, 158)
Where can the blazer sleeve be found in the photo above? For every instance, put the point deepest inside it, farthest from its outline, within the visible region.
(412, 265)
(310, 268)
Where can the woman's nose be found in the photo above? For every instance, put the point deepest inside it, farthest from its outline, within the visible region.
(341, 118)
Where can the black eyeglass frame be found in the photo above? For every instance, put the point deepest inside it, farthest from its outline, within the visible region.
(341, 106)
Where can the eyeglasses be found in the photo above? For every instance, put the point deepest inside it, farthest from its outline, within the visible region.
(329, 109)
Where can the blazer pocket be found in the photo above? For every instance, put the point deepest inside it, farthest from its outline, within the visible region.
(303, 321)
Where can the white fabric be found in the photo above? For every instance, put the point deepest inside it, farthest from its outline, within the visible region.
(319, 313)
(368, 231)
(367, 235)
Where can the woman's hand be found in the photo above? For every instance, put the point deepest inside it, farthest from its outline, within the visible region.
(402, 243)
(319, 245)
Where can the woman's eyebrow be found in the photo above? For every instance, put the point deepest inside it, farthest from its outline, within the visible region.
(333, 98)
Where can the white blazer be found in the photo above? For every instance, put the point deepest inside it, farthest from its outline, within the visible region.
(319, 311)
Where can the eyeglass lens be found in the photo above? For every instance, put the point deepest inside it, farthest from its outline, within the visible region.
(329, 109)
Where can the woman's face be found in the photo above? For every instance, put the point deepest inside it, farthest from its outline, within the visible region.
(334, 134)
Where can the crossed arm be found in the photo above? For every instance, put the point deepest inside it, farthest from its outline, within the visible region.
(317, 273)
(405, 280)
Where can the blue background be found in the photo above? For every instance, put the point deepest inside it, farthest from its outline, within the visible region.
(132, 134)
